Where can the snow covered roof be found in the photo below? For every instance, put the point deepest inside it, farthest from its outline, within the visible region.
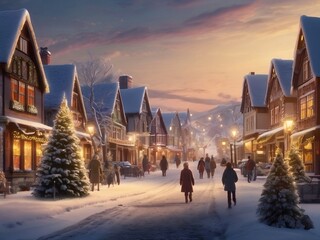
(104, 96)
(168, 118)
(63, 80)
(11, 25)
(257, 87)
(133, 99)
(283, 71)
(310, 27)
(33, 124)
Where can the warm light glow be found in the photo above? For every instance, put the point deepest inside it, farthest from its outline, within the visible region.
(223, 143)
(288, 125)
(209, 118)
(90, 129)
(234, 133)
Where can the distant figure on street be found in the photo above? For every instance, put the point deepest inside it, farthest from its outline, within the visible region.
(177, 160)
(213, 166)
(164, 165)
(207, 165)
(145, 164)
(229, 179)
(95, 172)
(117, 173)
(186, 182)
(250, 166)
(200, 167)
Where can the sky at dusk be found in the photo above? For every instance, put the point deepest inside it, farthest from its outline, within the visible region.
(189, 53)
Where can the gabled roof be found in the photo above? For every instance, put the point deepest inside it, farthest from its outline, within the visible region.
(63, 79)
(105, 96)
(11, 25)
(133, 99)
(168, 118)
(310, 27)
(257, 88)
(283, 71)
(158, 113)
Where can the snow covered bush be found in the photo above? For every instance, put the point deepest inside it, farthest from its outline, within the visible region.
(278, 204)
(62, 172)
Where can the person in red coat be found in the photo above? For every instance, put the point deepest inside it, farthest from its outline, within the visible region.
(186, 182)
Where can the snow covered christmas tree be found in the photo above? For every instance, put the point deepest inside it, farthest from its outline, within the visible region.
(296, 166)
(62, 172)
(278, 204)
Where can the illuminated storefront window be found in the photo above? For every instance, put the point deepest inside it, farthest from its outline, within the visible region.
(16, 154)
(27, 155)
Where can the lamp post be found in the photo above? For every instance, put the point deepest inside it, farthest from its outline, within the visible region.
(234, 134)
(91, 130)
(288, 127)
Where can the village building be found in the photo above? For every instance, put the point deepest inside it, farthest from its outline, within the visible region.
(174, 137)
(281, 107)
(138, 113)
(255, 114)
(64, 82)
(158, 138)
(112, 121)
(22, 87)
(306, 87)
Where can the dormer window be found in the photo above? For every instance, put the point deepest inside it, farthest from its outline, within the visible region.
(23, 45)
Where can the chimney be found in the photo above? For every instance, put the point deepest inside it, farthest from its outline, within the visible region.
(252, 73)
(45, 55)
(125, 82)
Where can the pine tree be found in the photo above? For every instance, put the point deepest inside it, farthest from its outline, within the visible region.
(62, 172)
(278, 204)
(296, 166)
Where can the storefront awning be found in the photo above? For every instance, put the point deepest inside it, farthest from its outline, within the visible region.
(174, 148)
(299, 137)
(17, 121)
(268, 136)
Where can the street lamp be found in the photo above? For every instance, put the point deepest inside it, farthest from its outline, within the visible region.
(234, 133)
(288, 127)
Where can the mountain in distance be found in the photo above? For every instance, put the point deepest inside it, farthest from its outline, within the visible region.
(220, 121)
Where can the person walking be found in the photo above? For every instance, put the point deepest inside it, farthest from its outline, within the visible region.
(229, 179)
(207, 165)
(95, 172)
(145, 164)
(186, 182)
(164, 165)
(177, 160)
(201, 166)
(250, 166)
(117, 173)
(213, 166)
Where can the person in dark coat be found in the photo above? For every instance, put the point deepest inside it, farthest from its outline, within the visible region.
(186, 182)
(200, 167)
(213, 166)
(251, 166)
(95, 171)
(145, 164)
(229, 178)
(177, 160)
(164, 165)
(207, 165)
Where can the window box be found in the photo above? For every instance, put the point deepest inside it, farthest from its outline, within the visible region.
(15, 105)
(32, 109)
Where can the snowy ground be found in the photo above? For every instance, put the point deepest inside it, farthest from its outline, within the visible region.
(147, 208)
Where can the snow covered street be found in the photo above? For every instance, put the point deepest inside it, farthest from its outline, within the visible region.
(151, 207)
